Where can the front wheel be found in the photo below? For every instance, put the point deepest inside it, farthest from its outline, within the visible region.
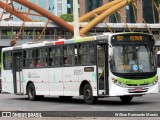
(126, 99)
(31, 92)
(88, 95)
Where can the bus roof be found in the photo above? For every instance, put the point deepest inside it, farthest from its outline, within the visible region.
(65, 41)
(58, 42)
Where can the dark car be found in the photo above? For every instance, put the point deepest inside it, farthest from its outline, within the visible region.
(0, 84)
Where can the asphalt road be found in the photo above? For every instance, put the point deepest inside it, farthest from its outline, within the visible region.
(56, 107)
(12, 102)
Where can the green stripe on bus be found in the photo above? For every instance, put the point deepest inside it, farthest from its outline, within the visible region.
(79, 40)
(137, 81)
(23, 80)
(54, 78)
(94, 77)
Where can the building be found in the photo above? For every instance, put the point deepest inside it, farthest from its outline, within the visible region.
(59, 7)
(129, 13)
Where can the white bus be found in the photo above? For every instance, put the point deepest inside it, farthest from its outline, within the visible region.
(112, 64)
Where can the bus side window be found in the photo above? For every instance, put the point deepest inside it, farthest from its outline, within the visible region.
(51, 55)
(86, 54)
(55, 56)
(8, 60)
(41, 57)
(29, 58)
(69, 55)
(76, 56)
(82, 56)
(32, 63)
(90, 52)
(58, 56)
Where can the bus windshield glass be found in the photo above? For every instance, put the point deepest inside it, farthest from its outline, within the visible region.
(133, 59)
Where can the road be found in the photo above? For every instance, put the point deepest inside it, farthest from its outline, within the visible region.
(15, 102)
(10, 102)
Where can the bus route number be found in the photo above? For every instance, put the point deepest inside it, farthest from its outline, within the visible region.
(78, 72)
(119, 38)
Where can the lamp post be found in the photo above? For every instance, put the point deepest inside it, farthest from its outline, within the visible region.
(76, 19)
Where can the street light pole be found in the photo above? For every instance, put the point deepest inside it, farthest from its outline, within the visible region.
(76, 19)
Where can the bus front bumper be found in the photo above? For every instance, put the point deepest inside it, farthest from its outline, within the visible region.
(136, 90)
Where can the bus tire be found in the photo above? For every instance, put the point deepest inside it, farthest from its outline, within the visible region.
(31, 92)
(126, 99)
(88, 95)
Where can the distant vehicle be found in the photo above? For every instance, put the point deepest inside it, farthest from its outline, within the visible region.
(112, 64)
(0, 83)
(158, 63)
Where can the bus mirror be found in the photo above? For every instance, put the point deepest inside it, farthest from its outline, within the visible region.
(110, 52)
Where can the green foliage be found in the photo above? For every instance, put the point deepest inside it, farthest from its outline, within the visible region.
(67, 17)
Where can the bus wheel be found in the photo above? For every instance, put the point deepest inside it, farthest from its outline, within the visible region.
(31, 92)
(126, 99)
(88, 95)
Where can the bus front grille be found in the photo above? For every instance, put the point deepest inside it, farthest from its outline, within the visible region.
(142, 90)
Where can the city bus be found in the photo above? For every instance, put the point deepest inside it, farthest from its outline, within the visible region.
(109, 65)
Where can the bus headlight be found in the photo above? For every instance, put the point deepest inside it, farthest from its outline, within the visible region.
(119, 83)
(151, 84)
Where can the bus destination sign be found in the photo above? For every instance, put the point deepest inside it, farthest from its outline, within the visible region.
(132, 38)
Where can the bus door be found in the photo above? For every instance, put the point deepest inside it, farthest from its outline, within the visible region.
(17, 73)
(102, 69)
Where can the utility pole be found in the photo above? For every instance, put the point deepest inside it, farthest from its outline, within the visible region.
(76, 19)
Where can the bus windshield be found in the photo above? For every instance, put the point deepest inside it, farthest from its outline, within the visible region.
(133, 59)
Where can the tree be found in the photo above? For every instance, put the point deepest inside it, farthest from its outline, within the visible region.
(67, 17)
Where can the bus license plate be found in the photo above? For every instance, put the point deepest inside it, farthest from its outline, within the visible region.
(138, 89)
